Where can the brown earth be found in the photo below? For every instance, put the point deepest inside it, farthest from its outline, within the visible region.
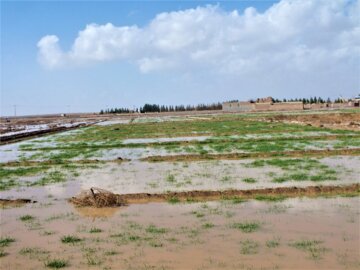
(301, 153)
(197, 195)
(349, 121)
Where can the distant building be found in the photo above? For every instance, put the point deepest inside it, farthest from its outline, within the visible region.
(261, 104)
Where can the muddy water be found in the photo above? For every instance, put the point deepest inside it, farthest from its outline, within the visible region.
(183, 240)
(137, 177)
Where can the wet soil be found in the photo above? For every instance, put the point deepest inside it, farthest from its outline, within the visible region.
(301, 153)
(205, 195)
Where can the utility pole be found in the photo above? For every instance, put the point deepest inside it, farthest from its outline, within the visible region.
(15, 110)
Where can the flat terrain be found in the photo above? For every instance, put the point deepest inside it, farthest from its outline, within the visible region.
(210, 191)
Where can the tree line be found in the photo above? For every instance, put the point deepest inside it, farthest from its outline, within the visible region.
(165, 108)
(213, 106)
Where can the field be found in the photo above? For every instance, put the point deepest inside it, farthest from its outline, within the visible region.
(209, 191)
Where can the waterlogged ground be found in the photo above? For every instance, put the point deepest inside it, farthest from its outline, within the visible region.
(174, 154)
(320, 233)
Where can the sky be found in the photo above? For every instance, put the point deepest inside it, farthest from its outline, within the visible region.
(84, 56)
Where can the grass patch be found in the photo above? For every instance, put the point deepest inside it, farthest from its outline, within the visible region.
(247, 227)
(249, 180)
(271, 198)
(170, 178)
(70, 239)
(208, 225)
(155, 230)
(273, 243)
(95, 230)
(27, 218)
(50, 178)
(249, 247)
(56, 263)
(312, 247)
(173, 200)
(6, 241)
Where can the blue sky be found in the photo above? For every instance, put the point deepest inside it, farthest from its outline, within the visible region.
(196, 52)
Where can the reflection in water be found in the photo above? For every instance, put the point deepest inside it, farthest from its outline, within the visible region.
(94, 212)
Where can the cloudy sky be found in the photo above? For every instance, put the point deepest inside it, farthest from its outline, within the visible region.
(85, 56)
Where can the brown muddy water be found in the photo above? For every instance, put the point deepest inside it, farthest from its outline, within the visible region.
(298, 233)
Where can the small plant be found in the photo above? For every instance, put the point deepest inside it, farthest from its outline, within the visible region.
(173, 200)
(208, 225)
(311, 246)
(70, 239)
(95, 230)
(56, 263)
(5, 241)
(249, 180)
(27, 218)
(170, 178)
(247, 227)
(249, 247)
(92, 260)
(273, 243)
(271, 198)
(155, 230)
(225, 179)
(2, 253)
(110, 253)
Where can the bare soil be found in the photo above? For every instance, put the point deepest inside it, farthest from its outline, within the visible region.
(349, 121)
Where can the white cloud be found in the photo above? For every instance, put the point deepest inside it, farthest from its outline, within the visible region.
(300, 35)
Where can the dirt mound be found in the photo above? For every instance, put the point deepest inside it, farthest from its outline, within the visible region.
(103, 198)
(330, 120)
(97, 197)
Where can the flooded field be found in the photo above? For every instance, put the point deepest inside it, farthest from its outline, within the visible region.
(182, 162)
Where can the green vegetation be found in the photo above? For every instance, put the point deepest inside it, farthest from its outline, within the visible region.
(27, 218)
(248, 247)
(56, 263)
(247, 227)
(312, 247)
(271, 198)
(273, 243)
(155, 230)
(70, 239)
(208, 225)
(249, 180)
(6, 241)
(95, 230)
(173, 200)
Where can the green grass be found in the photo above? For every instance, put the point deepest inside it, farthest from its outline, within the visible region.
(247, 227)
(173, 200)
(273, 243)
(170, 178)
(312, 247)
(70, 239)
(51, 178)
(27, 218)
(208, 225)
(271, 198)
(2, 253)
(249, 247)
(6, 241)
(155, 230)
(249, 180)
(95, 230)
(56, 263)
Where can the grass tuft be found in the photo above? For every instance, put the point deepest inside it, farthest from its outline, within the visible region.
(70, 239)
(56, 263)
(247, 227)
